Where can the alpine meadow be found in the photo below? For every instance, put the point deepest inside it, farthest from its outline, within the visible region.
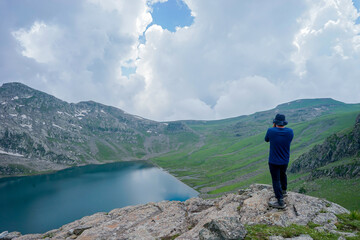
(213, 157)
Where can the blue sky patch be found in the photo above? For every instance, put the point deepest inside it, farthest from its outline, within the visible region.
(127, 71)
(357, 4)
(171, 14)
(357, 21)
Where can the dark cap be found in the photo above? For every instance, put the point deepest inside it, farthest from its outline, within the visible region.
(280, 120)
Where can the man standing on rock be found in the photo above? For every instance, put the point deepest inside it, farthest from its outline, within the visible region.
(280, 139)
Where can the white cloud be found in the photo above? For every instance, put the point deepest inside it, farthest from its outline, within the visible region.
(156, 1)
(83, 52)
(328, 51)
(241, 57)
(236, 58)
(327, 28)
(247, 94)
(38, 42)
(194, 63)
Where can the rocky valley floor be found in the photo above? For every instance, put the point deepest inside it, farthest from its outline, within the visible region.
(234, 216)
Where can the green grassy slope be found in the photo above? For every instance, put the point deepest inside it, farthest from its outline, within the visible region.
(332, 168)
(345, 192)
(232, 154)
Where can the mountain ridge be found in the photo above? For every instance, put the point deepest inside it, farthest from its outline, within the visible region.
(213, 157)
(67, 124)
(37, 125)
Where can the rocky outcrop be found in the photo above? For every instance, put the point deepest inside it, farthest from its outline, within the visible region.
(335, 148)
(348, 171)
(196, 218)
(223, 228)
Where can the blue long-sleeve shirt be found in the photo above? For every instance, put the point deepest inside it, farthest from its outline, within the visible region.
(280, 140)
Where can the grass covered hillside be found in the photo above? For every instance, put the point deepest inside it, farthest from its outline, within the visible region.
(232, 154)
(333, 168)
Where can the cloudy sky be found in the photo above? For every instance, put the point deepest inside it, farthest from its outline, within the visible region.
(191, 59)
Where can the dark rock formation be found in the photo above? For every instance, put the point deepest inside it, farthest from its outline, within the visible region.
(335, 148)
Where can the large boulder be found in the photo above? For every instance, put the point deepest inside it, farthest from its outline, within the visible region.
(227, 228)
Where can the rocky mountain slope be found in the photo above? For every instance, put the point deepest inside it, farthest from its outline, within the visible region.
(40, 132)
(338, 156)
(233, 216)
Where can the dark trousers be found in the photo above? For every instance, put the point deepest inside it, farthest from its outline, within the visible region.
(279, 179)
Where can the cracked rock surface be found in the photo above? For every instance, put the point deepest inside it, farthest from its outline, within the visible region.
(196, 218)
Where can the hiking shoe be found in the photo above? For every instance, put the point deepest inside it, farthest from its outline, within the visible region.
(277, 204)
(284, 193)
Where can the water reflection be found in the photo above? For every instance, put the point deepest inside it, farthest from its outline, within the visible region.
(40, 203)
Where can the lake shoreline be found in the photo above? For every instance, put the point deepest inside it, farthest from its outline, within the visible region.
(64, 167)
(84, 190)
(53, 171)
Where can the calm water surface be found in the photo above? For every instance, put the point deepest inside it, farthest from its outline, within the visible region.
(40, 203)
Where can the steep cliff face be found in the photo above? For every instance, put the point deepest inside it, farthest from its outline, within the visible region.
(338, 156)
(38, 126)
(234, 216)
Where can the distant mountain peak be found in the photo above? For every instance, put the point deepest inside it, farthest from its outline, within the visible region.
(16, 87)
(20, 90)
(302, 103)
(14, 84)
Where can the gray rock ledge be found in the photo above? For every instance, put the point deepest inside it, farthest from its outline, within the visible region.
(196, 218)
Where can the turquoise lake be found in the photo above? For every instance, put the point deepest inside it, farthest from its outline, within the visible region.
(36, 204)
